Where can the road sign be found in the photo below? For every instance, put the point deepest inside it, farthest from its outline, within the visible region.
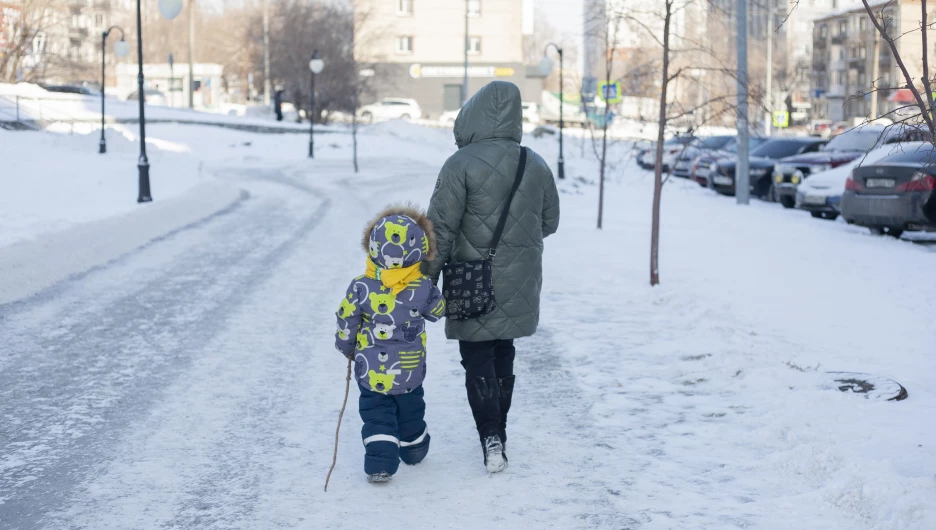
(781, 119)
(610, 92)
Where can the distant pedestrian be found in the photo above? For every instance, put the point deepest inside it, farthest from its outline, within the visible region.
(278, 103)
(382, 326)
(471, 193)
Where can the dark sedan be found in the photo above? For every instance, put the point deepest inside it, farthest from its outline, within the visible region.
(893, 194)
(844, 148)
(762, 161)
(705, 164)
(699, 146)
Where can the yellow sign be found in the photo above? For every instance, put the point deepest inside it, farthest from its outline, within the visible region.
(781, 119)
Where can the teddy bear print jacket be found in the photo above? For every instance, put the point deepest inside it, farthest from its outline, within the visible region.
(382, 318)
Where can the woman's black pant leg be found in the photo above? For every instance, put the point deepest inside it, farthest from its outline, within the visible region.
(481, 385)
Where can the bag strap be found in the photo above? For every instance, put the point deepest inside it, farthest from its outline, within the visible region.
(521, 167)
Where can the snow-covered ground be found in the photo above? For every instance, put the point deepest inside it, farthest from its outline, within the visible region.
(192, 383)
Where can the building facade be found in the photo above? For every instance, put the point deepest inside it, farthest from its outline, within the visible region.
(416, 48)
(852, 64)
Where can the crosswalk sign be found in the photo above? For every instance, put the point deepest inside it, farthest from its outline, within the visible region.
(781, 119)
(610, 92)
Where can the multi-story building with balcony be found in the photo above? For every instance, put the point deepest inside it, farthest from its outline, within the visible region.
(851, 64)
(416, 49)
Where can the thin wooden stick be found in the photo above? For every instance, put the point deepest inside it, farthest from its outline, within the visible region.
(343, 405)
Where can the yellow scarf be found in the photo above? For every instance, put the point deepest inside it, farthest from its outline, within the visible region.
(394, 279)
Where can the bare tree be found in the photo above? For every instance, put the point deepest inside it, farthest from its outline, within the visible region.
(923, 101)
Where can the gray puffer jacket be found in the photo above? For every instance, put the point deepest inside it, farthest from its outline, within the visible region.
(470, 194)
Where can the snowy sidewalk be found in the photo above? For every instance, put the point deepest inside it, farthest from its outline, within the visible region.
(205, 395)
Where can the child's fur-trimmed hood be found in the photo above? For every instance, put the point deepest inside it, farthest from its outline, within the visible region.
(411, 211)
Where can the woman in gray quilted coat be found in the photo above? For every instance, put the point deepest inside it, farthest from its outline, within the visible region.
(469, 197)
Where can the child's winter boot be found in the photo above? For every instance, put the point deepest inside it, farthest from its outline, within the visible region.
(379, 478)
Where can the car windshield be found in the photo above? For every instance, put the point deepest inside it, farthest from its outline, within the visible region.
(777, 148)
(922, 156)
(855, 140)
(753, 142)
(714, 142)
(678, 140)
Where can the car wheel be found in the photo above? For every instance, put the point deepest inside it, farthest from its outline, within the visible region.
(405, 117)
(817, 215)
(830, 216)
(367, 117)
(895, 232)
(876, 230)
(787, 201)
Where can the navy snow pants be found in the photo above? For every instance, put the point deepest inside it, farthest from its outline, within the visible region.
(394, 429)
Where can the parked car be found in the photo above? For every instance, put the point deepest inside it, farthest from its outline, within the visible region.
(530, 112)
(821, 193)
(390, 109)
(73, 89)
(761, 164)
(844, 148)
(682, 166)
(820, 128)
(894, 194)
(448, 117)
(671, 148)
(151, 96)
(706, 163)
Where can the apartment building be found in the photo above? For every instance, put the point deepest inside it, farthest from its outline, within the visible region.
(67, 44)
(416, 49)
(851, 64)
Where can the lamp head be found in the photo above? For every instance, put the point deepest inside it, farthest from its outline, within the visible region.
(316, 65)
(170, 8)
(545, 66)
(121, 48)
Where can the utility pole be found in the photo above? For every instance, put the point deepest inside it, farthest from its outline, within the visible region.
(465, 80)
(742, 178)
(875, 72)
(768, 99)
(267, 85)
(191, 54)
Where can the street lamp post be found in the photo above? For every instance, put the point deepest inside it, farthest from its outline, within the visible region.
(315, 66)
(121, 48)
(546, 64)
(169, 9)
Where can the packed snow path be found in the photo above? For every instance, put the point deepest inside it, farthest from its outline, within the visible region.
(193, 384)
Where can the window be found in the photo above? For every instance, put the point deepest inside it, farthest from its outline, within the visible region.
(823, 31)
(474, 8)
(862, 52)
(841, 54)
(404, 8)
(863, 24)
(474, 45)
(404, 44)
(843, 27)
(99, 20)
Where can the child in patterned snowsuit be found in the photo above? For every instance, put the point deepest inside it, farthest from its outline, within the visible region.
(382, 326)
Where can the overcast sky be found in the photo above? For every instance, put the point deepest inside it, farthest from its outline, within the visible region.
(565, 16)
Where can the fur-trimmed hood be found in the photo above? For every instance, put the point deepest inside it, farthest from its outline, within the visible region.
(400, 236)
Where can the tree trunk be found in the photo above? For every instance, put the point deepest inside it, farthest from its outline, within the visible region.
(604, 157)
(658, 170)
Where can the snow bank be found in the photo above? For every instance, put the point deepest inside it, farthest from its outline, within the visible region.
(64, 208)
(29, 267)
(50, 182)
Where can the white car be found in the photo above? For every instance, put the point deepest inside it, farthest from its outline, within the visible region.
(530, 112)
(448, 117)
(390, 109)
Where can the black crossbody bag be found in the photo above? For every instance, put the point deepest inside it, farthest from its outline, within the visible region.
(468, 286)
